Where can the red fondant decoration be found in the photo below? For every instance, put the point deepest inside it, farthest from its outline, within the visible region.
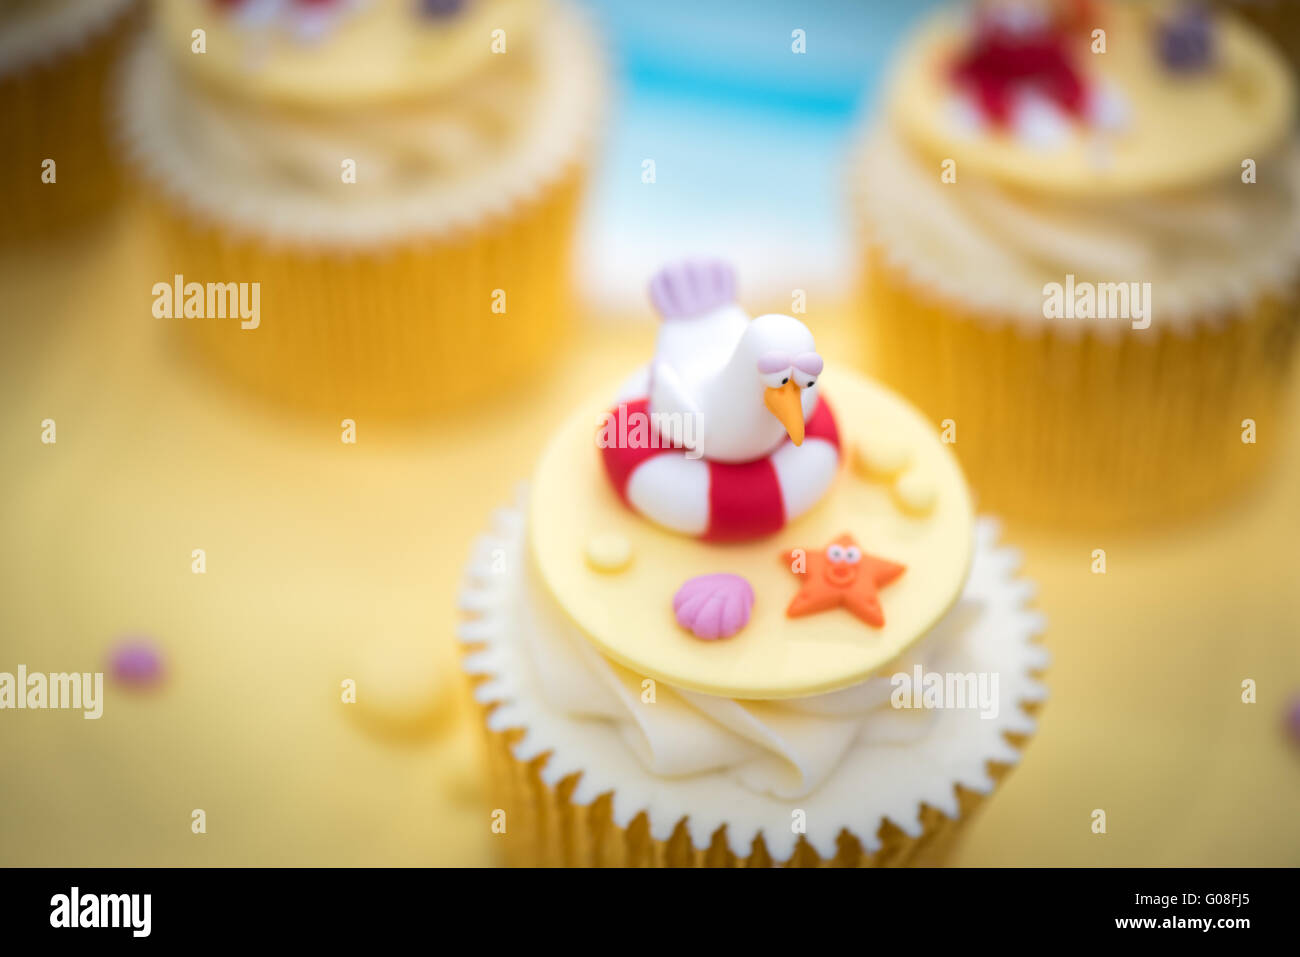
(821, 425)
(745, 499)
(633, 444)
(841, 574)
(1002, 61)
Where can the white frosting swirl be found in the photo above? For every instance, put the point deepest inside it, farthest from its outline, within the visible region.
(1205, 251)
(786, 748)
(297, 152)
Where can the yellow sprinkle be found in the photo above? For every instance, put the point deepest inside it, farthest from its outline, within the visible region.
(915, 491)
(609, 552)
(402, 689)
(881, 456)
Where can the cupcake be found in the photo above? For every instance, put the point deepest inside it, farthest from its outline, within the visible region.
(398, 178)
(1081, 233)
(741, 619)
(55, 59)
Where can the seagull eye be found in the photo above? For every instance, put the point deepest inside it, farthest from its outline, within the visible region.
(803, 380)
(853, 554)
(835, 553)
(774, 380)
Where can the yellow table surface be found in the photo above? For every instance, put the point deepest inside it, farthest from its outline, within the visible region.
(322, 557)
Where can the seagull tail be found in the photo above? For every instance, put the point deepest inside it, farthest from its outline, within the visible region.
(692, 288)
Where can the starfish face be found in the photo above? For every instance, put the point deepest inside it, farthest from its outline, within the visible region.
(841, 574)
(841, 566)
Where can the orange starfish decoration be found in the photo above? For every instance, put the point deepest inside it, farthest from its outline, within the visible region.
(841, 574)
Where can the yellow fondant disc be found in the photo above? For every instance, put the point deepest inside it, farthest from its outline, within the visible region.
(629, 616)
(608, 553)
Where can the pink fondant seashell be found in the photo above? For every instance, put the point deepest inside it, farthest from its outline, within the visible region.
(714, 606)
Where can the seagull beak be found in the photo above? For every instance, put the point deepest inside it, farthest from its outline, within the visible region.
(785, 403)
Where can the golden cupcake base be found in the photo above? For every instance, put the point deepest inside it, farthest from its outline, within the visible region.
(1077, 427)
(401, 330)
(57, 109)
(398, 330)
(545, 828)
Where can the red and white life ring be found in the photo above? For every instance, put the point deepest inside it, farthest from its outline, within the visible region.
(720, 501)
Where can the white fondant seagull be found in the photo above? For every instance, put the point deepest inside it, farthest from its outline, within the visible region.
(746, 383)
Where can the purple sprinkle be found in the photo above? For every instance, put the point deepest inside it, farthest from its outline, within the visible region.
(1186, 40)
(441, 8)
(136, 661)
(1293, 718)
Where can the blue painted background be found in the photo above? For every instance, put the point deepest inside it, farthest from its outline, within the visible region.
(747, 137)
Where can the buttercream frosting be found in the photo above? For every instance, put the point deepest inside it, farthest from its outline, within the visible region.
(1206, 251)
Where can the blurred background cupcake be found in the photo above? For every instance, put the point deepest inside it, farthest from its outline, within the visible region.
(400, 177)
(1081, 228)
(55, 57)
